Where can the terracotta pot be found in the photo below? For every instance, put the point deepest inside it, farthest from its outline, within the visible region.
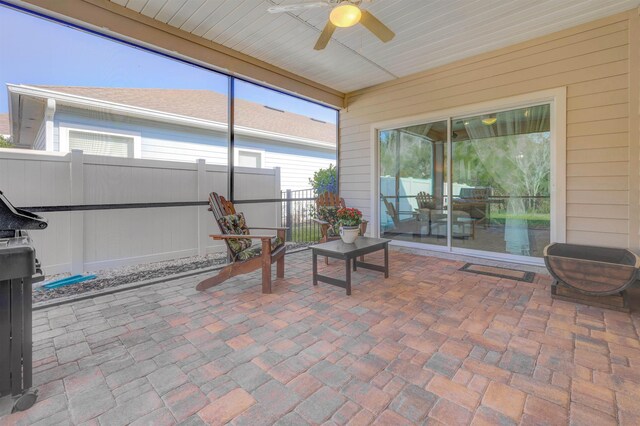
(349, 233)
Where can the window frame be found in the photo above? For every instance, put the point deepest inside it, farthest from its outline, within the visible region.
(260, 152)
(65, 128)
(556, 98)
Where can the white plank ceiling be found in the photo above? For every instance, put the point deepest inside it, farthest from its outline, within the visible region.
(428, 32)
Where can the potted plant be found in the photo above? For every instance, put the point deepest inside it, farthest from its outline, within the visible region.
(349, 220)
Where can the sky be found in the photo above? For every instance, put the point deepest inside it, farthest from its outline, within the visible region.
(35, 51)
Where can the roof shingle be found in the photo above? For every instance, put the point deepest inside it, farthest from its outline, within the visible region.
(5, 128)
(211, 106)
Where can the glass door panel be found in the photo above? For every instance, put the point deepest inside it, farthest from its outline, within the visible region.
(501, 181)
(413, 183)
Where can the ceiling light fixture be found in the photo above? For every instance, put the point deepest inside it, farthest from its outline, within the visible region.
(489, 121)
(345, 15)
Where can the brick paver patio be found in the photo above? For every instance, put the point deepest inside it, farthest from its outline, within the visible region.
(429, 345)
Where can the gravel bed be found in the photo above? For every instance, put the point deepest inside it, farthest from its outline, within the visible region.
(131, 274)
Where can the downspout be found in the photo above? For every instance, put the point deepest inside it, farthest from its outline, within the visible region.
(49, 113)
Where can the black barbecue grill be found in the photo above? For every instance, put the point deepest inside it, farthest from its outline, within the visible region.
(13, 220)
(19, 269)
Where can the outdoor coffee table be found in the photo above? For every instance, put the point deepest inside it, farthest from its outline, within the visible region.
(348, 252)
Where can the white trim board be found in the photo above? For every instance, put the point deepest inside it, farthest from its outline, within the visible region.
(557, 98)
(83, 102)
(458, 251)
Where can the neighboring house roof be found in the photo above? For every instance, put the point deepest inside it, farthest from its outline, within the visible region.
(210, 106)
(5, 126)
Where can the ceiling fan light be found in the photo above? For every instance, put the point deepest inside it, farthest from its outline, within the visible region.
(345, 15)
(489, 121)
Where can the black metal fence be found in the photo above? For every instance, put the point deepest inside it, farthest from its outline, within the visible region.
(297, 215)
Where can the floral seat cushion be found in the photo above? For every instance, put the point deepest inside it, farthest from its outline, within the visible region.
(235, 224)
(241, 248)
(256, 250)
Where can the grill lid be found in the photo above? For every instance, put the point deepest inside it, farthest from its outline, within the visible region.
(13, 219)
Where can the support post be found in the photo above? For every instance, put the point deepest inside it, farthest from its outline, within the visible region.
(49, 126)
(277, 194)
(231, 139)
(202, 213)
(288, 219)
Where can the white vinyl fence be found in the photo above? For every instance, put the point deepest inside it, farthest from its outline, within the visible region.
(82, 241)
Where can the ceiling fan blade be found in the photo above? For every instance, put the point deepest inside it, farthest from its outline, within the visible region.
(324, 38)
(297, 6)
(374, 25)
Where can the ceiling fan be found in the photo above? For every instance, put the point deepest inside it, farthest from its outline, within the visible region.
(344, 13)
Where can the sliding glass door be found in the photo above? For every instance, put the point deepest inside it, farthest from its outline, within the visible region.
(497, 199)
(501, 175)
(412, 183)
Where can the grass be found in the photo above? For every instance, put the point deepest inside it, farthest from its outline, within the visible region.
(305, 233)
(537, 220)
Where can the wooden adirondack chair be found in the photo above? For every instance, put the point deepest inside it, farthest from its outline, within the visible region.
(244, 257)
(409, 225)
(425, 201)
(326, 206)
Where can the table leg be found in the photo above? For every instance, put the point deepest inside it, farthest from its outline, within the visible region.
(487, 216)
(348, 280)
(315, 268)
(355, 267)
(386, 260)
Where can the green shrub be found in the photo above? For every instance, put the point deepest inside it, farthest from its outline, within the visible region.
(5, 142)
(325, 180)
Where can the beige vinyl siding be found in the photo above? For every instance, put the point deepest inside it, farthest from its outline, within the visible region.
(592, 61)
